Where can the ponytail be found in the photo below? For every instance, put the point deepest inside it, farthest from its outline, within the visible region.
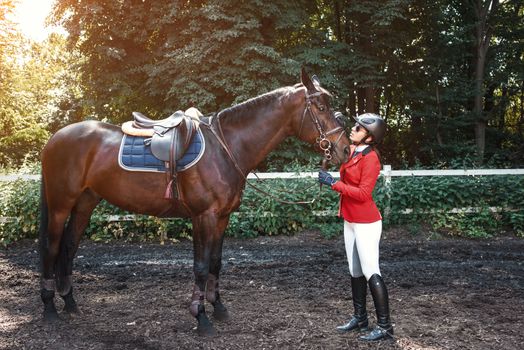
(375, 148)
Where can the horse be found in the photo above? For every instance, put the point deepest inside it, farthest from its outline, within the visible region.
(80, 168)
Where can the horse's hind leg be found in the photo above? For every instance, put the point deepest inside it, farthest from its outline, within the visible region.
(75, 228)
(51, 230)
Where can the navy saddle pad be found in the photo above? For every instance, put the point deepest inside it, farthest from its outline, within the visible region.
(134, 155)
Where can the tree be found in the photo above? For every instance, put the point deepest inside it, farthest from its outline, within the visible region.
(416, 62)
(7, 33)
(206, 53)
(483, 29)
(504, 77)
(41, 80)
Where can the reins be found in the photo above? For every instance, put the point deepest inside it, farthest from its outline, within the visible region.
(322, 140)
(219, 134)
(272, 196)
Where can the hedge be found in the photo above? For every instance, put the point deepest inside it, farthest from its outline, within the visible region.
(429, 199)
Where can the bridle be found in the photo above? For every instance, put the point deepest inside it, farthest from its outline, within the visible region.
(323, 142)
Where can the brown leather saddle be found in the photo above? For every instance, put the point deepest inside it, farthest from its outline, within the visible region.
(171, 136)
(169, 141)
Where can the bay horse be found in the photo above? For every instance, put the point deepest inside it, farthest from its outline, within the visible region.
(80, 168)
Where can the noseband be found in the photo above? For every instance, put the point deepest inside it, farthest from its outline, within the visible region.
(323, 142)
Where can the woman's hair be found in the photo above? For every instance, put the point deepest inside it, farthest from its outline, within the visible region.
(375, 148)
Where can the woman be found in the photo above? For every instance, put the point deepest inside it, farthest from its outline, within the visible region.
(363, 225)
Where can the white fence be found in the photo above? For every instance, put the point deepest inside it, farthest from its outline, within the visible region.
(387, 172)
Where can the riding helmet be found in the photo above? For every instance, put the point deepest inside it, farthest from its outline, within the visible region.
(374, 124)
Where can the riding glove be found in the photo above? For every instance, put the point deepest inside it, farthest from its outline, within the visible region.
(325, 178)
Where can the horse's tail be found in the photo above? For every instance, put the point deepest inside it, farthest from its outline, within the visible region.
(61, 263)
(44, 221)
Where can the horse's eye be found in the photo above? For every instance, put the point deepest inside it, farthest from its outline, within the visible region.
(322, 108)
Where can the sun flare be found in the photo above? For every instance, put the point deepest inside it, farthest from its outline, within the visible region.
(31, 15)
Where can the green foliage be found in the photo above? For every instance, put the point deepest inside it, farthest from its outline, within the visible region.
(133, 227)
(19, 203)
(23, 145)
(262, 214)
(209, 54)
(38, 85)
(412, 61)
(6, 42)
(430, 201)
(433, 199)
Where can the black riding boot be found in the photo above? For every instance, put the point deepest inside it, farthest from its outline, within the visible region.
(359, 321)
(384, 329)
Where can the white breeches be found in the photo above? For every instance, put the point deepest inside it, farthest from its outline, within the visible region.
(362, 248)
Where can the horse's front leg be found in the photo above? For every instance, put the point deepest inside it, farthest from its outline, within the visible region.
(212, 291)
(208, 230)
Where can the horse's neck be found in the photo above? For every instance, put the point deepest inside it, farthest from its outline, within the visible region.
(252, 141)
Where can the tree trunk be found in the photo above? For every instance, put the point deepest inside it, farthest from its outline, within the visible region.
(439, 118)
(352, 101)
(338, 24)
(370, 99)
(361, 100)
(482, 38)
(520, 122)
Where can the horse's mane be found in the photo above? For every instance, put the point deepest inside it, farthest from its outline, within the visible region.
(247, 108)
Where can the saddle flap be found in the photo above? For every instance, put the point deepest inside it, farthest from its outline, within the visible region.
(161, 145)
(171, 144)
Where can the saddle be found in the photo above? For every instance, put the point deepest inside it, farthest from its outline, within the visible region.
(168, 138)
(143, 122)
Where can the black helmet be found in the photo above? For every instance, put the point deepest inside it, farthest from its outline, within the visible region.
(374, 124)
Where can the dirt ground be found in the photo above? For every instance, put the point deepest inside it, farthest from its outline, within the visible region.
(282, 293)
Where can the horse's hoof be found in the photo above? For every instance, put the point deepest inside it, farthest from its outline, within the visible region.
(72, 309)
(70, 305)
(51, 317)
(220, 313)
(50, 314)
(205, 327)
(206, 331)
(71, 312)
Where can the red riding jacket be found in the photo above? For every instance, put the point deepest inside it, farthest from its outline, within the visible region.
(357, 180)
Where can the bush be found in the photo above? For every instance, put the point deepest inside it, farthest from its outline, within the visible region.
(430, 199)
(22, 146)
(434, 199)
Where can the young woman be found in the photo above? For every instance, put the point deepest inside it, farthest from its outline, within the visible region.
(363, 225)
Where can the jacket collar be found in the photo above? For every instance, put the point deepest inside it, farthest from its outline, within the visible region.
(364, 152)
(358, 157)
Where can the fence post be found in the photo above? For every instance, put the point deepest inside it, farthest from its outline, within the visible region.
(387, 184)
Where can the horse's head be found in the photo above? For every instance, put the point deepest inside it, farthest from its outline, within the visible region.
(317, 124)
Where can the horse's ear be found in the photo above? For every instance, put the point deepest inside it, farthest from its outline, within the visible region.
(315, 80)
(310, 86)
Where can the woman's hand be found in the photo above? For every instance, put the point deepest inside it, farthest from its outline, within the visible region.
(325, 178)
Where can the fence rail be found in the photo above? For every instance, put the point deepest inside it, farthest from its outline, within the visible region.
(387, 172)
